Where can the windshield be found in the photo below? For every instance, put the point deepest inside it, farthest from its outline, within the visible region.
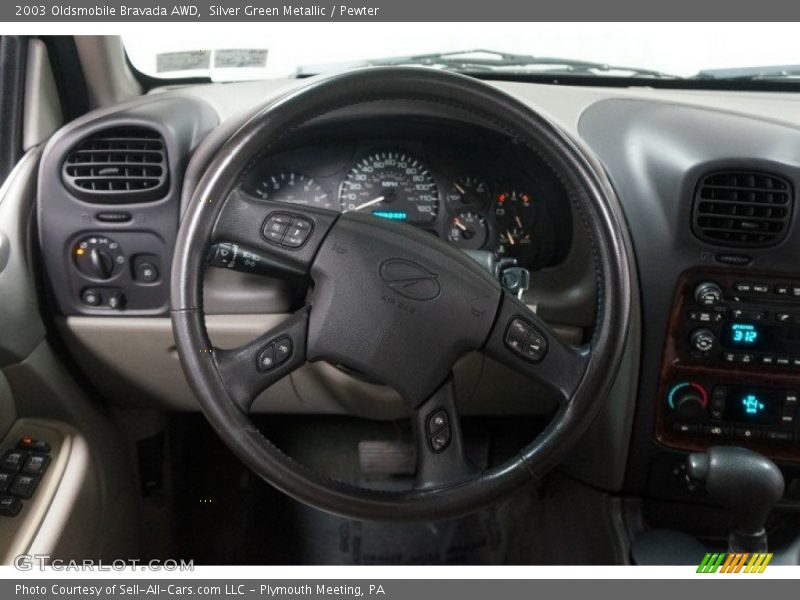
(631, 50)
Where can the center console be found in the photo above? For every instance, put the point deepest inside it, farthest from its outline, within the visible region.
(731, 366)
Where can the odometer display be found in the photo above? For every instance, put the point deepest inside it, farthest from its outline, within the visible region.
(391, 183)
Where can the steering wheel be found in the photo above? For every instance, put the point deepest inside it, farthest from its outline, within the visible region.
(395, 303)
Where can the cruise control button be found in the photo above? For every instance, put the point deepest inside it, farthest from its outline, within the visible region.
(297, 233)
(23, 486)
(266, 358)
(535, 347)
(9, 507)
(283, 350)
(12, 460)
(35, 464)
(275, 227)
(437, 421)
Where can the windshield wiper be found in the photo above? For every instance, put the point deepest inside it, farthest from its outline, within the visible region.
(481, 60)
(751, 73)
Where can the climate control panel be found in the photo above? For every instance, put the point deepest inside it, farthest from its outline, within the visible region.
(714, 409)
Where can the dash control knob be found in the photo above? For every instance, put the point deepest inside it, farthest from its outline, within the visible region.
(708, 293)
(703, 340)
(98, 257)
(688, 400)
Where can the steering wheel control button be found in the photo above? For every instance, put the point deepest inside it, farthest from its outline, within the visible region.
(283, 350)
(298, 232)
(440, 441)
(437, 421)
(9, 507)
(287, 230)
(517, 334)
(525, 340)
(275, 227)
(266, 358)
(91, 298)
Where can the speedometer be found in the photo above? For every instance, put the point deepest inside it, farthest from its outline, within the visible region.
(392, 185)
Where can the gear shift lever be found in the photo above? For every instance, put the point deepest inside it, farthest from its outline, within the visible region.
(746, 483)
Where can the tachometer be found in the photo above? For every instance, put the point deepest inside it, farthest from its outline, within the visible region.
(392, 185)
(294, 188)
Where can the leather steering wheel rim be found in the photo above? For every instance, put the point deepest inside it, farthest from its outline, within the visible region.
(223, 380)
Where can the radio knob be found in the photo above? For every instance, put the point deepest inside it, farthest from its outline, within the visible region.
(688, 400)
(708, 293)
(703, 340)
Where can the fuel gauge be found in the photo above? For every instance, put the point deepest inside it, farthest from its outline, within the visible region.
(468, 230)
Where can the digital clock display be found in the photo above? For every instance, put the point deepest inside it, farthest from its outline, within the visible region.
(738, 334)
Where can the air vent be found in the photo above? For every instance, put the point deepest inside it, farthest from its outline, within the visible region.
(118, 166)
(742, 208)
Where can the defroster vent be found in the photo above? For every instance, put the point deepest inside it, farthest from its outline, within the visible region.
(742, 208)
(118, 166)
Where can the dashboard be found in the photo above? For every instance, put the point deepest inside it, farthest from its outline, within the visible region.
(483, 196)
(472, 186)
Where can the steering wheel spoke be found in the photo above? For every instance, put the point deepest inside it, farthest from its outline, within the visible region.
(523, 341)
(287, 235)
(440, 448)
(248, 370)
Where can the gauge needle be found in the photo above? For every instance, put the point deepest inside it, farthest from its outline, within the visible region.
(460, 189)
(510, 238)
(370, 203)
(518, 221)
(459, 224)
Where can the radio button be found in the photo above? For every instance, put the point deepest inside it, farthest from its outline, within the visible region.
(760, 288)
(795, 290)
(787, 418)
(704, 316)
(767, 360)
(782, 290)
(782, 361)
(743, 287)
(785, 317)
(790, 400)
(729, 357)
(746, 358)
(750, 315)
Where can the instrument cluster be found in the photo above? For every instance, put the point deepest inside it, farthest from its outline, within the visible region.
(481, 198)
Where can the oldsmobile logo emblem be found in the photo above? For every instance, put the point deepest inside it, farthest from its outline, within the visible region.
(409, 279)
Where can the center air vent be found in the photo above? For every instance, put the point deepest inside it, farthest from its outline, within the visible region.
(742, 208)
(117, 166)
